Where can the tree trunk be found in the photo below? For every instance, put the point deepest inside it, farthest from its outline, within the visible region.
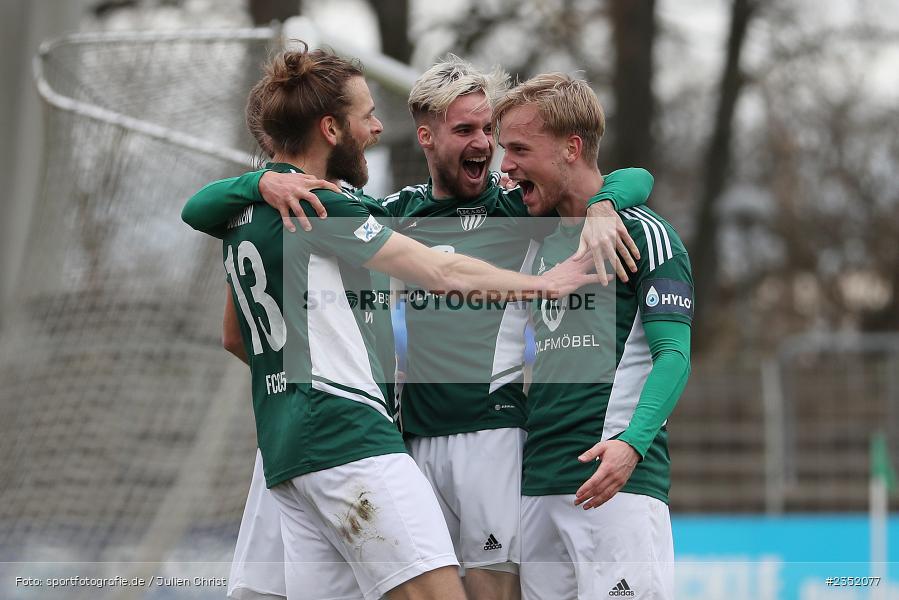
(393, 25)
(407, 163)
(716, 166)
(634, 28)
(263, 12)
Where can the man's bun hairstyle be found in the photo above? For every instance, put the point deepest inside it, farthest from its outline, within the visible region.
(300, 87)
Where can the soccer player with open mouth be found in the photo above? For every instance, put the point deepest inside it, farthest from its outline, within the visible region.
(607, 373)
(464, 398)
(358, 518)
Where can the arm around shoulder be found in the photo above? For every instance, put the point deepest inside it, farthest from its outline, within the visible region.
(409, 260)
(210, 208)
(625, 188)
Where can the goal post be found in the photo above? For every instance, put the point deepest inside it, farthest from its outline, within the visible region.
(395, 76)
(128, 435)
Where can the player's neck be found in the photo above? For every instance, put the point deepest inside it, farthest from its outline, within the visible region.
(584, 183)
(438, 190)
(308, 162)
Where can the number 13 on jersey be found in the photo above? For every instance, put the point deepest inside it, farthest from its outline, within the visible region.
(276, 334)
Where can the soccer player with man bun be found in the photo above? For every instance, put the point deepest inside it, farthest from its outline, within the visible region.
(257, 569)
(358, 519)
(610, 366)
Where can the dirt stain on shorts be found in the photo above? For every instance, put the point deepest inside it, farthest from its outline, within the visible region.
(357, 525)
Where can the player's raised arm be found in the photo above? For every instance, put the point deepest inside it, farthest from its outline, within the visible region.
(604, 234)
(210, 209)
(624, 188)
(284, 191)
(406, 259)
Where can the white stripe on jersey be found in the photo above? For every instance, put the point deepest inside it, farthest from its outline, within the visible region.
(420, 188)
(630, 377)
(509, 350)
(650, 248)
(336, 391)
(658, 252)
(391, 198)
(333, 327)
(661, 225)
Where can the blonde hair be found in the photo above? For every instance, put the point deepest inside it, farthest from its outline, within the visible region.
(440, 85)
(566, 105)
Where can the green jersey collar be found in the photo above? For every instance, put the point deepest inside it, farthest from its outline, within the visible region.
(283, 167)
(492, 184)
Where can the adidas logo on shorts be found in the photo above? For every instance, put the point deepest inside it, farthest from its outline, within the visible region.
(622, 589)
(492, 543)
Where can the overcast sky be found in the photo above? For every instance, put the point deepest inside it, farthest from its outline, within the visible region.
(703, 22)
(691, 55)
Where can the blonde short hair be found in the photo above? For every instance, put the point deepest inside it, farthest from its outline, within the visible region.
(440, 85)
(566, 105)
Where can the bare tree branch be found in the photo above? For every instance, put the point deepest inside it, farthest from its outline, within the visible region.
(717, 162)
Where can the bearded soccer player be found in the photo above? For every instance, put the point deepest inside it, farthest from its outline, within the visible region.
(358, 520)
(257, 569)
(463, 405)
(595, 520)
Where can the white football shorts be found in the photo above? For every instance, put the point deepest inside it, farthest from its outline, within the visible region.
(360, 529)
(257, 571)
(477, 479)
(622, 549)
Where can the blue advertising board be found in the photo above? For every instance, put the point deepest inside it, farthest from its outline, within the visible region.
(794, 557)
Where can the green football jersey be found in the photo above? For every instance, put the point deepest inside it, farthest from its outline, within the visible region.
(466, 358)
(593, 360)
(319, 392)
(465, 363)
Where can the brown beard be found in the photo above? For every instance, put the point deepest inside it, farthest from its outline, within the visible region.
(347, 163)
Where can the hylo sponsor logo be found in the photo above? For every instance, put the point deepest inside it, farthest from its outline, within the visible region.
(676, 300)
(652, 297)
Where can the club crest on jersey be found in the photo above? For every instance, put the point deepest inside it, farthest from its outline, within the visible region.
(368, 230)
(472, 218)
(552, 312)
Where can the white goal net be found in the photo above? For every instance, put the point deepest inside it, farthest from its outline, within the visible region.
(127, 441)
